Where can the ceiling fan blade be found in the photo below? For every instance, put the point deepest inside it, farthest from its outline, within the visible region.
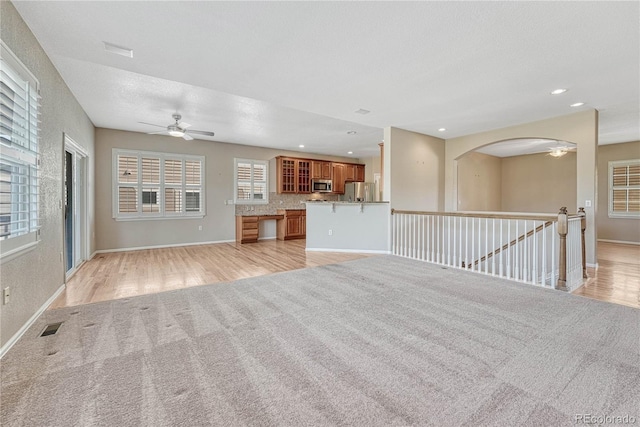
(184, 125)
(151, 124)
(157, 133)
(201, 132)
(187, 137)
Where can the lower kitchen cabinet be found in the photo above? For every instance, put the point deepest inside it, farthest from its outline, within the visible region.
(293, 225)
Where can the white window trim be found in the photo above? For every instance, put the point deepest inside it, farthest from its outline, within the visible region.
(139, 216)
(17, 246)
(235, 182)
(614, 164)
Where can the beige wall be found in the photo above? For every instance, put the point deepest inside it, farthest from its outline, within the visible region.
(372, 166)
(538, 183)
(616, 229)
(479, 182)
(35, 276)
(580, 128)
(219, 222)
(414, 170)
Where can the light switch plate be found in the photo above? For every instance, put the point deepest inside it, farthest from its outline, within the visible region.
(587, 203)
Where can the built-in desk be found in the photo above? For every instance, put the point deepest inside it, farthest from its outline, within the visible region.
(247, 226)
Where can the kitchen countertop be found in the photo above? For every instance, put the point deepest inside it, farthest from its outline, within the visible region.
(343, 203)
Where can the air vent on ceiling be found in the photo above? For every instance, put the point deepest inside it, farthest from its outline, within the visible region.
(118, 50)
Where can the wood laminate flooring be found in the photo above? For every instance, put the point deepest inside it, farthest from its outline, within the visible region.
(617, 278)
(114, 275)
(124, 274)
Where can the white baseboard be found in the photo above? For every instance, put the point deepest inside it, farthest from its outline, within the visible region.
(354, 251)
(175, 245)
(267, 238)
(29, 322)
(593, 265)
(622, 242)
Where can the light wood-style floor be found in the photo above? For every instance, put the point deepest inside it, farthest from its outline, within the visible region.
(115, 275)
(617, 278)
(124, 274)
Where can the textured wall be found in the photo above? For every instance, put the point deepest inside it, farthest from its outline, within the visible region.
(35, 276)
(414, 170)
(619, 229)
(479, 182)
(580, 128)
(539, 183)
(219, 222)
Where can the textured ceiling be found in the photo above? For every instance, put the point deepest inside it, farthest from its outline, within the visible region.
(280, 74)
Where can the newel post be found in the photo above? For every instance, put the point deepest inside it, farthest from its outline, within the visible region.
(583, 227)
(563, 228)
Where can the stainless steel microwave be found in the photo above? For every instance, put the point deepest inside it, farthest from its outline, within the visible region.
(321, 186)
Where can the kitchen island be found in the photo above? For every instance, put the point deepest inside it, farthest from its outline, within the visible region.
(348, 227)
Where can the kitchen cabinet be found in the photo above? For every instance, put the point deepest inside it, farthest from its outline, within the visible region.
(293, 225)
(359, 173)
(246, 229)
(320, 169)
(338, 177)
(293, 175)
(350, 173)
(247, 226)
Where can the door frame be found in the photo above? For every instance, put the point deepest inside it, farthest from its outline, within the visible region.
(80, 157)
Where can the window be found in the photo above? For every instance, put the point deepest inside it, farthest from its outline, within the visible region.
(19, 114)
(157, 185)
(251, 181)
(624, 188)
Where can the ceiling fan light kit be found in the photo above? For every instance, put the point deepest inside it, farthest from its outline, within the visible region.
(179, 129)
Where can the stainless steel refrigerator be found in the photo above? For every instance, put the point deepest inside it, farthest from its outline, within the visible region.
(359, 192)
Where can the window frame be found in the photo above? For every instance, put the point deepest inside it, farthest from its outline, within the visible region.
(20, 243)
(160, 187)
(616, 164)
(251, 182)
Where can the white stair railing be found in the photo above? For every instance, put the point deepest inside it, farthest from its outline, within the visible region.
(520, 247)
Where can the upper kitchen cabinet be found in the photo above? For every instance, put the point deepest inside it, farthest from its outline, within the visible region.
(338, 177)
(293, 175)
(320, 169)
(359, 173)
(350, 173)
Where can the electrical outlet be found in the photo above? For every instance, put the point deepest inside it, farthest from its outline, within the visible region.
(587, 203)
(5, 295)
(199, 228)
(330, 232)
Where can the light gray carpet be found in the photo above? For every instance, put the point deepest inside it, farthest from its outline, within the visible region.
(374, 342)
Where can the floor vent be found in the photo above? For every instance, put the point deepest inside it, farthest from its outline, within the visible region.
(51, 329)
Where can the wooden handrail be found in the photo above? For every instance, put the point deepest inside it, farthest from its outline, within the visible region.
(535, 217)
(512, 243)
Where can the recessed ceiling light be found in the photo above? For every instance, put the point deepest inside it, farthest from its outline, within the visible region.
(362, 111)
(118, 50)
(558, 91)
(301, 146)
(442, 129)
(577, 104)
(351, 132)
(349, 152)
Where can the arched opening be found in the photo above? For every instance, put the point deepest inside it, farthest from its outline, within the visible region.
(518, 175)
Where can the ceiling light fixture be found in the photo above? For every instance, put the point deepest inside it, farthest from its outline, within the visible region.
(175, 130)
(558, 91)
(442, 129)
(349, 152)
(577, 104)
(351, 132)
(301, 146)
(362, 111)
(558, 152)
(118, 50)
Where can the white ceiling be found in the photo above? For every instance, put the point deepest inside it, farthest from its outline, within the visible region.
(522, 146)
(280, 74)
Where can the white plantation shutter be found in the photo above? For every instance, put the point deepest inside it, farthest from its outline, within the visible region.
(157, 185)
(19, 138)
(624, 188)
(250, 181)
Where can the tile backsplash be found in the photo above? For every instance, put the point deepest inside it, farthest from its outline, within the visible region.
(283, 201)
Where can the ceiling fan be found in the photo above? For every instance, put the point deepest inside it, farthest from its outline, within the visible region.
(560, 150)
(178, 129)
